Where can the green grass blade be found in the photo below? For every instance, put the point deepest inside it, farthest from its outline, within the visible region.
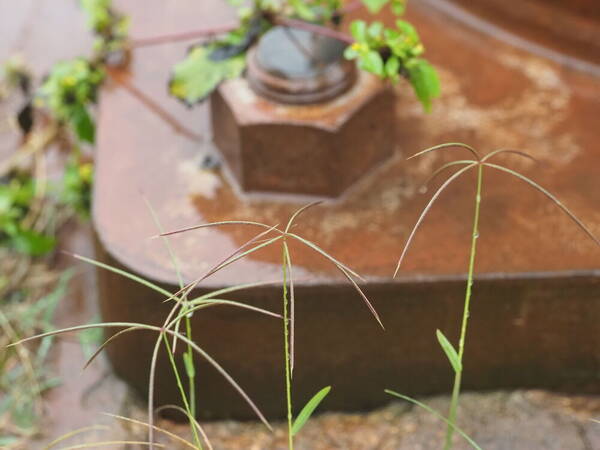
(70, 434)
(218, 301)
(196, 424)
(450, 351)
(214, 224)
(364, 297)
(123, 273)
(447, 166)
(300, 211)
(230, 289)
(235, 256)
(144, 424)
(110, 443)
(308, 409)
(319, 250)
(223, 373)
(86, 327)
(447, 145)
(510, 151)
(556, 201)
(438, 415)
(105, 344)
(426, 210)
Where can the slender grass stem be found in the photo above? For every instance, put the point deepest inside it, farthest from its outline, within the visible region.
(189, 358)
(286, 332)
(182, 391)
(191, 376)
(465, 319)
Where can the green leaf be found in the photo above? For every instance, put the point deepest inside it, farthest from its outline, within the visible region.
(32, 243)
(349, 53)
(188, 360)
(375, 31)
(83, 125)
(303, 10)
(398, 7)
(5, 441)
(424, 80)
(450, 351)
(309, 409)
(392, 67)
(408, 30)
(374, 6)
(358, 30)
(372, 62)
(198, 75)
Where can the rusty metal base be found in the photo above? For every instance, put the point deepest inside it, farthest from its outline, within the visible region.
(536, 304)
(537, 331)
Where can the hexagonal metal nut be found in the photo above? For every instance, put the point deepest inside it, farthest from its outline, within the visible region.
(318, 149)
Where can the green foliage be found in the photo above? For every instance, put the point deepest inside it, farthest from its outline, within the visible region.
(391, 52)
(450, 351)
(77, 186)
(374, 6)
(69, 91)
(110, 26)
(24, 375)
(198, 75)
(386, 52)
(308, 409)
(314, 10)
(16, 196)
(98, 14)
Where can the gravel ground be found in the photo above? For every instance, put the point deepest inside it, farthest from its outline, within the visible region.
(528, 420)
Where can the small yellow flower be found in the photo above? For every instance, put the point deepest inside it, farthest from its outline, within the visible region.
(359, 47)
(85, 172)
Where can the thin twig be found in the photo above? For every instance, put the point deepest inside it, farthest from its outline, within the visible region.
(183, 36)
(154, 107)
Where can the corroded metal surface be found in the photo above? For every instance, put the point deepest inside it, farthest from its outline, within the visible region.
(571, 27)
(527, 329)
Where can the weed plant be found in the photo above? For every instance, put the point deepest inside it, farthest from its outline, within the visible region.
(168, 334)
(183, 308)
(478, 163)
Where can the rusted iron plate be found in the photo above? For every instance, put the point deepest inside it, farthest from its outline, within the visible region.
(569, 27)
(495, 96)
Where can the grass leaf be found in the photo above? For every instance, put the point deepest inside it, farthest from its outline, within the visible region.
(308, 409)
(447, 145)
(558, 203)
(437, 414)
(123, 273)
(450, 351)
(426, 210)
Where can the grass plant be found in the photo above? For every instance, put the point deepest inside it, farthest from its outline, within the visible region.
(478, 163)
(288, 305)
(169, 333)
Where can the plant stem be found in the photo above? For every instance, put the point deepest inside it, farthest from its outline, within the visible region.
(182, 391)
(191, 376)
(465, 318)
(183, 36)
(286, 332)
